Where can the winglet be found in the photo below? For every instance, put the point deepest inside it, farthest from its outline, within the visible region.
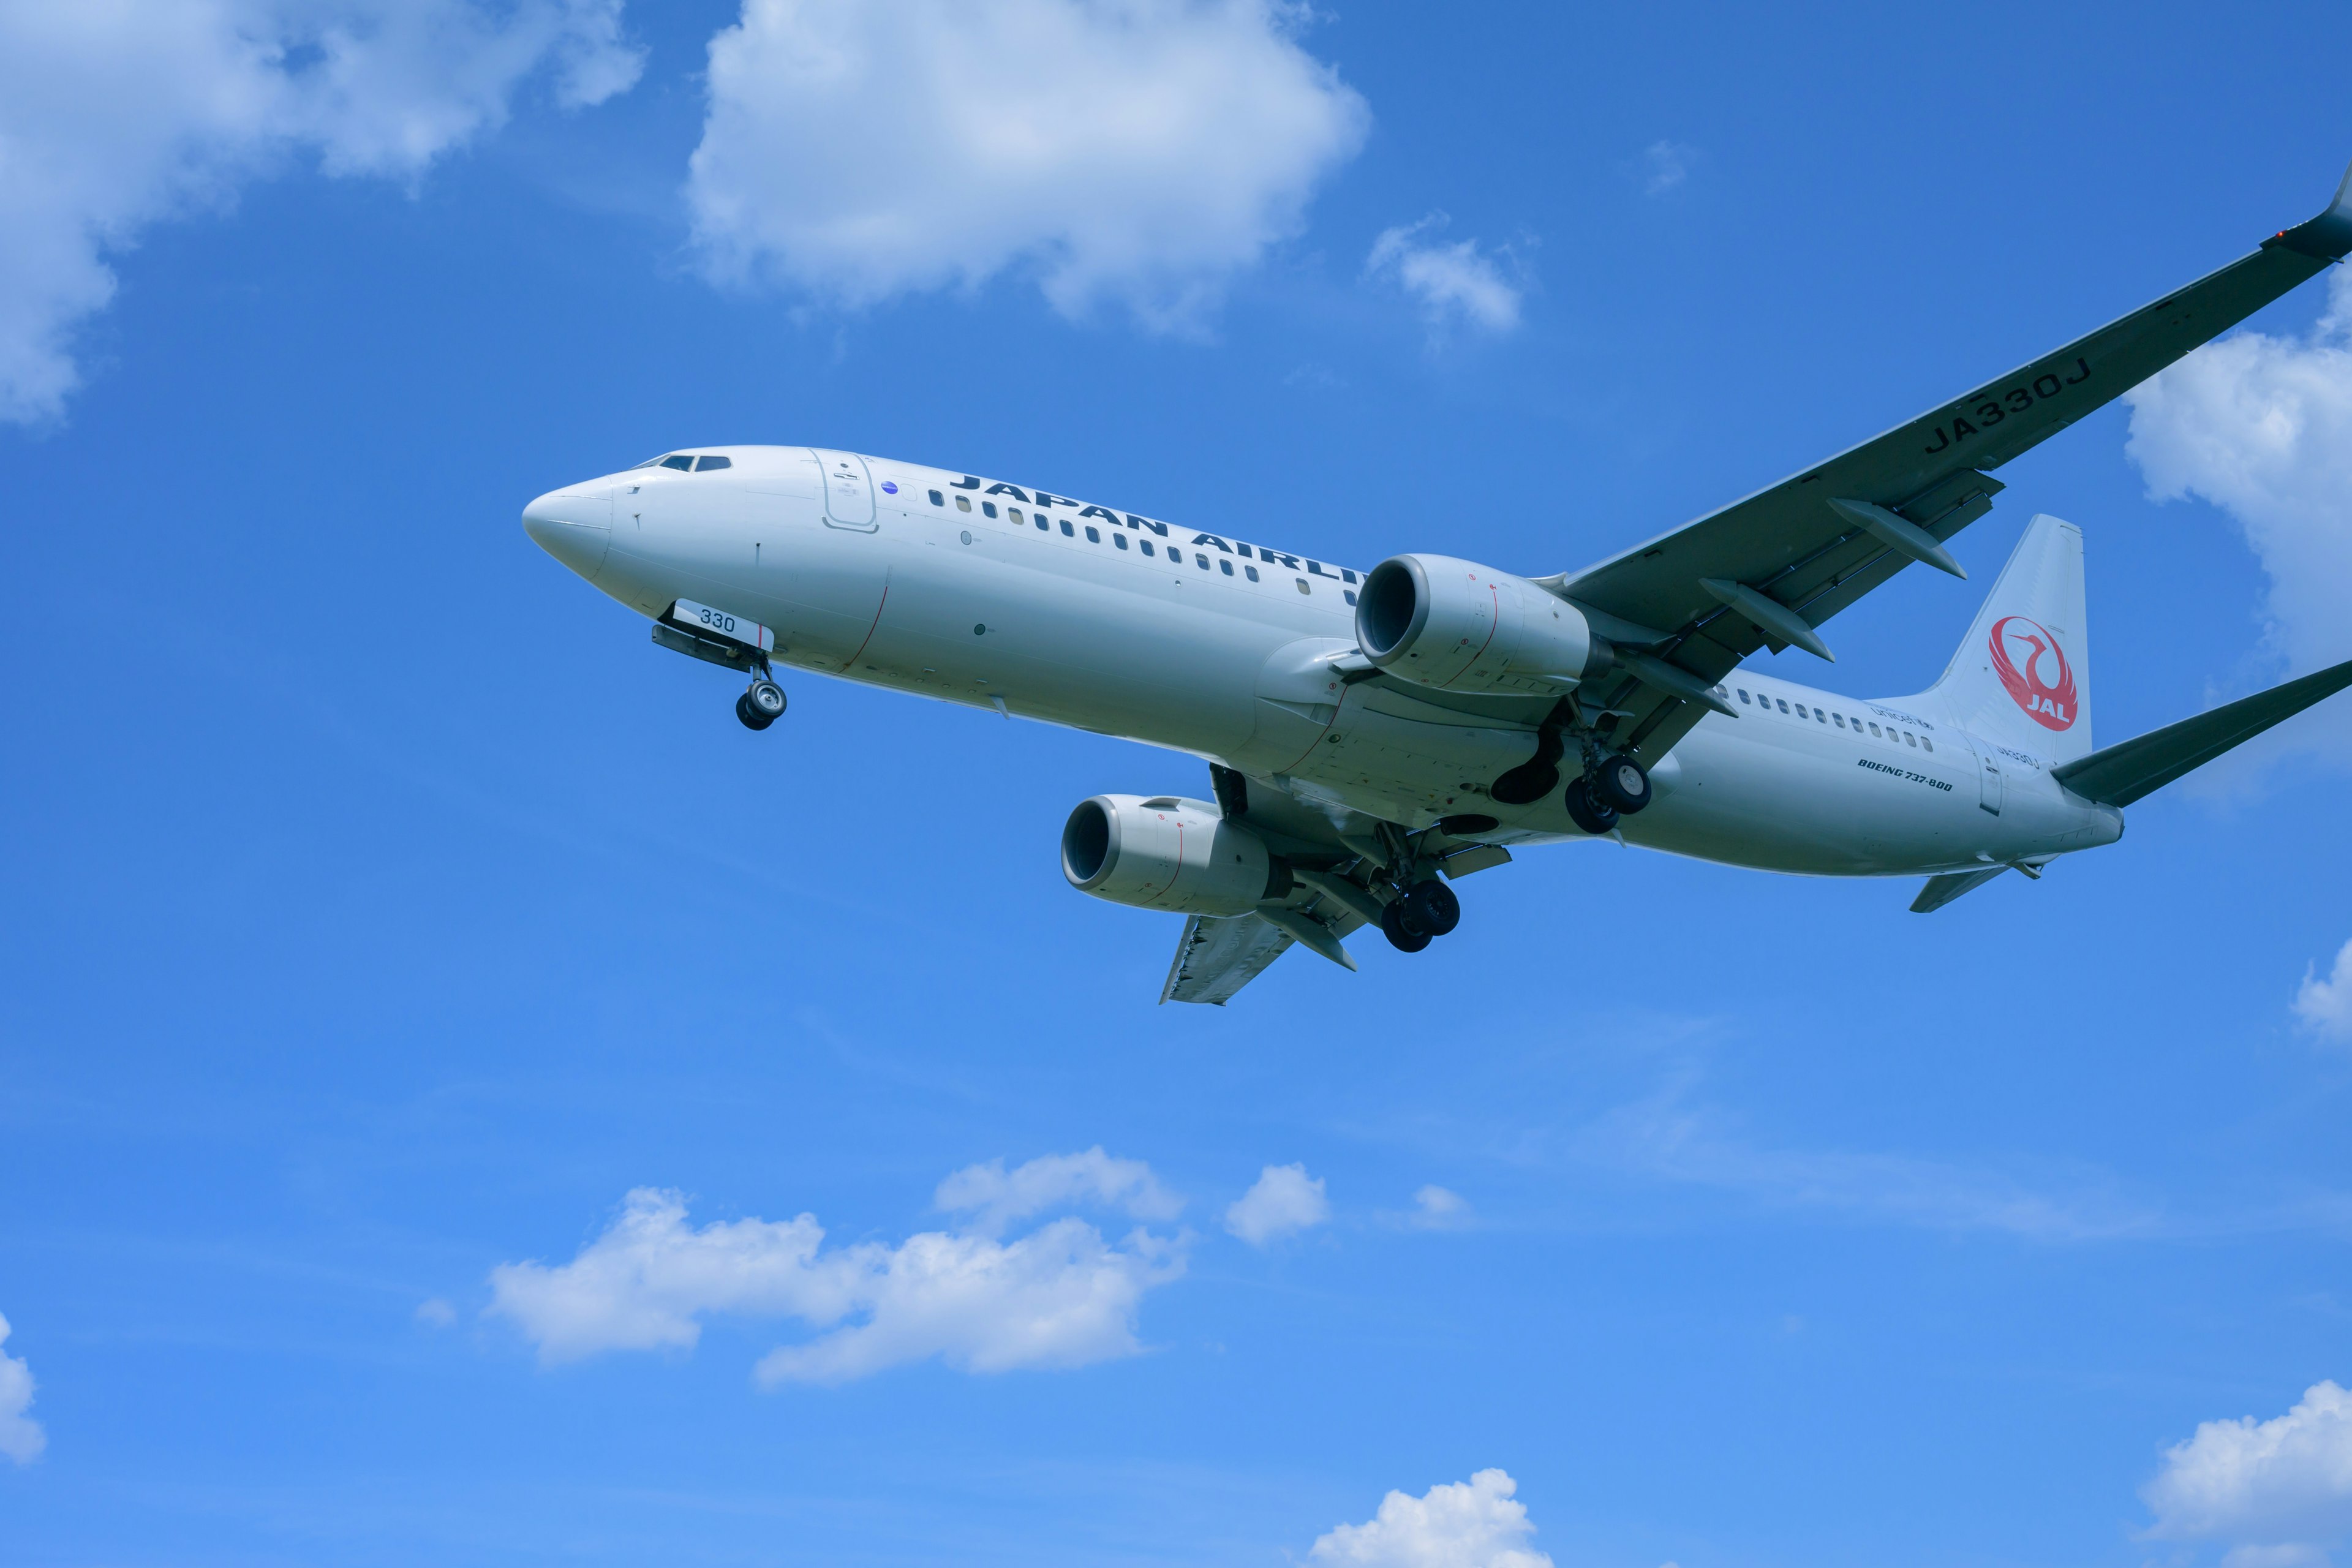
(2328, 237)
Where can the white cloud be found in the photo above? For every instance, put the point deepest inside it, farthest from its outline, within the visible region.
(115, 116)
(1665, 165)
(1138, 152)
(1437, 1208)
(1667, 1137)
(2293, 1554)
(1476, 1524)
(1060, 1296)
(995, 1197)
(2325, 1006)
(21, 1437)
(436, 1313)
(1283, 1200)
(2262, 426)
(1454, 283)
(2277, 1491)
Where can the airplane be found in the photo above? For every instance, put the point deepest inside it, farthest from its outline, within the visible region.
(1374, 737)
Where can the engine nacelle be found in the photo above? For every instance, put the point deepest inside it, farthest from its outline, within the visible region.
(1437, 621)
(1168, 854)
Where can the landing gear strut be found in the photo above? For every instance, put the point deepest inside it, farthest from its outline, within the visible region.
(762, 704)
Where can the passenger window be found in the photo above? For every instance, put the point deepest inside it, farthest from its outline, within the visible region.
(1201, 559)
(1120, 539)
(1224, 566)
(1821, 717)
(1349, 595)
(1067, 532)
(1302, 586)
(938, 499)
(1743, 694)
(1926, 745)
(1045, 527)
(988, 508)
(1146, 546)
(1840, 720)
(1784, 704)
(1013, 514)
(683, 465)
(1094, 535)
(1873, 730)
(706, 464)
(963, 503)
(1251, 572)
(1909, 738)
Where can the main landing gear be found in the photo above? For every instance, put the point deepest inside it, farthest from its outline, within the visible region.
(1420, 913)
(1610, 787)
(762, 704)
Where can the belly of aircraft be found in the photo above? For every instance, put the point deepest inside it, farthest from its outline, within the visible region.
(1783, 805)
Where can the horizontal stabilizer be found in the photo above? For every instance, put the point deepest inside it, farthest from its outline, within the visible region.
(2122, 775)
(1937, 891)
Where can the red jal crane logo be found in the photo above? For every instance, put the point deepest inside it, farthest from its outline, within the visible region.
(2050, 704)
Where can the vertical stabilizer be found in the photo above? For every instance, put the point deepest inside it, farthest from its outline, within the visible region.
(2023, 675)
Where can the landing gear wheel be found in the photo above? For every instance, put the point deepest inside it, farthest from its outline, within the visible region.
(1403, 937)
(1620, 784)
(760, 706)
(1587, 812)
(1431, 907)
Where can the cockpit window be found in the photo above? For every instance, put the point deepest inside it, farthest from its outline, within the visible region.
(705, 464)
(648, 463)
(682, 464)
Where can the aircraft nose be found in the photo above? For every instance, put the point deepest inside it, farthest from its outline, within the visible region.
(574, 525)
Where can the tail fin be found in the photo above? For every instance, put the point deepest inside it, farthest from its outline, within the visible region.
(2024, 674)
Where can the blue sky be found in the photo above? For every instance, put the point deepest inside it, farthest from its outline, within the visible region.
(387, 911)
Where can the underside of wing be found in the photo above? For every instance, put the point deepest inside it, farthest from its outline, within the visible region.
(1215, 957)
(1798, 552)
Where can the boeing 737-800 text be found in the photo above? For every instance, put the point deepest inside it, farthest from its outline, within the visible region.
(1375, 736)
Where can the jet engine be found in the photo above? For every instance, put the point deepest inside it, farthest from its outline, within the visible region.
(1168, 854)
(1437, 621)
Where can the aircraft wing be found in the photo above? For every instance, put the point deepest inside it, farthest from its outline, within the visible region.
(1216, 957)
(1820, 539)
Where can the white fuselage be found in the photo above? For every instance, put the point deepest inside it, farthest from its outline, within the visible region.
(1202, 642)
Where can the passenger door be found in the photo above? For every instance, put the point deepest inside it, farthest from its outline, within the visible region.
(848, 491)
(1989, 779)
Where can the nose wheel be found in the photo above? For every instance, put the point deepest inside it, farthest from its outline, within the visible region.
(762, 705)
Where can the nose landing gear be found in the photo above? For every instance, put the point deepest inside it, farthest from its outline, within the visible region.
(762, 705)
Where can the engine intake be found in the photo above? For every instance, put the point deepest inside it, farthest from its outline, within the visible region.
(1437, 621)
(1168, 854)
